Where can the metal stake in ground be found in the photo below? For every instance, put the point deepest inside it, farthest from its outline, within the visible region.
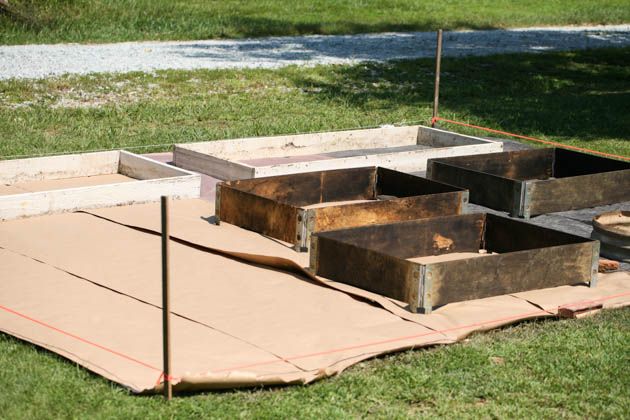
(166, 307)
(438, 61)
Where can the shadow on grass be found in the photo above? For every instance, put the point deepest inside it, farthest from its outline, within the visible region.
(583, 94)
(247, 26)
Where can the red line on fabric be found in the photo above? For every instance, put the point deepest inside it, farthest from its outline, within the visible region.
(553, 143)
(476, 324)
(83, 340)
(308, 355)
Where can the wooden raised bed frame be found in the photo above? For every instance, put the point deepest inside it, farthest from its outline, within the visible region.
(400, 148)
(275, 206)
(531, 182)
(154, 179)
(375, 258)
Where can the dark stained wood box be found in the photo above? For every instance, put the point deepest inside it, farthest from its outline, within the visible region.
(278, 206)
(520, 257)
(530, 182)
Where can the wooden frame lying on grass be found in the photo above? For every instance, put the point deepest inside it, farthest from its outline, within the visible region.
(401, 148)
(154, 179)
(376, 258)
(276, 206)
(530, 182)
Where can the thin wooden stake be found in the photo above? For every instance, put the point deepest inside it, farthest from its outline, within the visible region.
(438, 61)
(166, 306)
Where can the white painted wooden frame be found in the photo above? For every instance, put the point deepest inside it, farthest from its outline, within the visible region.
(223, 159)
(153, 179)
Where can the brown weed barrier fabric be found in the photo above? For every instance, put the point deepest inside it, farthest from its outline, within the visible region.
(245, 312)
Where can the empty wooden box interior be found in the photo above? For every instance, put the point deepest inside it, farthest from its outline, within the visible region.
(530, 182)
(401, 148)
(36, 186)
(291, 207)
(432, 262)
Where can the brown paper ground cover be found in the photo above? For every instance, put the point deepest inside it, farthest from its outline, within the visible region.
(245, 313)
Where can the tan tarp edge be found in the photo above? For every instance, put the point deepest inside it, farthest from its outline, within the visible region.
(238, 324)
(315, 329)
(111, 320)
(191, 222)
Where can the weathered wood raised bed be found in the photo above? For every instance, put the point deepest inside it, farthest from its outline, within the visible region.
(520, 256)
(54, 184)
(401, 148)
(278, 206)
(530, 182)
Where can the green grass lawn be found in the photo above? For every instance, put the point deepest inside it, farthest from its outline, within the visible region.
(578, 98)
(123, 20)
(543, 369)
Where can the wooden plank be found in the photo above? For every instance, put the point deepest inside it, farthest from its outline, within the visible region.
(140, 167)
(398, 184)
(570, 163)
(257, 213)
(517, 165)
(306, 144)
(58, 167)
(436, 137)
(485, 189)
(365, 268)
(211, 165)
(373, 212)
(510, 273)
(577, 192)
(313, 187)
(500, 234)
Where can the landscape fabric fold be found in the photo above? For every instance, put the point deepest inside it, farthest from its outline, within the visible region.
(244, 311)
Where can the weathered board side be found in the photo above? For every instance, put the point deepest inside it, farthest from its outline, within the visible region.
(517, 165)
(571, 163)
(513, 272)
(504, 235)
(313, 187)
(416, 238)
(394, 183)
(257, 213)
(207, 164)
(395, 210)
(577, 192)
(305, 144)
(59, 167)
(436, 137)
(365, 268)
(140, 167)
(82, 198)
(488, 190)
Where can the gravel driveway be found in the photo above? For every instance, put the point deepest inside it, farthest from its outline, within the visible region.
(37, 61)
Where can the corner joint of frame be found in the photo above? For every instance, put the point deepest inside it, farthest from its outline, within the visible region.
(424, 276)
(217, 206)
(521, 200)
(594, 264)
(301, 231)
